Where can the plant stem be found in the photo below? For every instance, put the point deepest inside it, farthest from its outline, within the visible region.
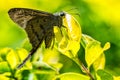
(81, 65)
(84, 68)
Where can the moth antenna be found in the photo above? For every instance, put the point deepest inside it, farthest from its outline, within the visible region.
(61, 30)
(78, 14)
(76, 11)
(72, 9)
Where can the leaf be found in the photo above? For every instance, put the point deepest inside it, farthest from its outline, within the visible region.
(42, 65)
(22, 53)
(44, 74)
(97, 77)
(70, 49)
(52, 57)
(73, 27)
(93, 49)
(69, 44)
(74, 47)
(107, 46)
(104, 75)
(71, 76)
(12, 59)
(25, 74)
(4, 67)
(2, 77)
(99, 63)
(63, 45)
(3, 53)
(116, 77)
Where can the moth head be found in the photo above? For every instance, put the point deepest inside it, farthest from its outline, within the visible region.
(62, 14)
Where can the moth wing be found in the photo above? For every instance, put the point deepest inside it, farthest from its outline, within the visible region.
(22, 15)
(35, 33)
(48, 39)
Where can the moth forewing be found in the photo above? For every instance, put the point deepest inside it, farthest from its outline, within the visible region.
(22, 15)
(38, 25)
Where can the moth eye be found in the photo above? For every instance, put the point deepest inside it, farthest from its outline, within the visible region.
(62, 14)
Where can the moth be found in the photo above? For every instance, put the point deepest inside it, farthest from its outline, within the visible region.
(38, 25)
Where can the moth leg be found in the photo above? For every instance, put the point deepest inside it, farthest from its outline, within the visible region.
(53, 42)
(48, 41)
(61, 31)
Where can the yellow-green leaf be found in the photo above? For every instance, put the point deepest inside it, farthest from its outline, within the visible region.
(71, 76)
(3, 53)
(69, 49)
(106, 46)
(104, 75)
(51, 57)
(93, 49)
(22, 53)
(73, 27)
(63, 44)
(12, 59)
(99, 63)
(71, 36)
(2, 77)
(4, 67)
(97, 77)
(116, 77)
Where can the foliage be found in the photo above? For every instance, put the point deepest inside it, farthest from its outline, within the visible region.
(75, 56)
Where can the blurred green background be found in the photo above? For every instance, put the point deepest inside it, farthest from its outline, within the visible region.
(98, 18)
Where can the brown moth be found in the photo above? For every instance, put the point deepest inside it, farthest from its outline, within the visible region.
(38, 25)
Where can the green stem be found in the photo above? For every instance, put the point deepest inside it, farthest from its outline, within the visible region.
(81, 65)
(83, 43)
(84, 68)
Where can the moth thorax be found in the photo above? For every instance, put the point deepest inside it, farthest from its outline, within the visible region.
(58, 21)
